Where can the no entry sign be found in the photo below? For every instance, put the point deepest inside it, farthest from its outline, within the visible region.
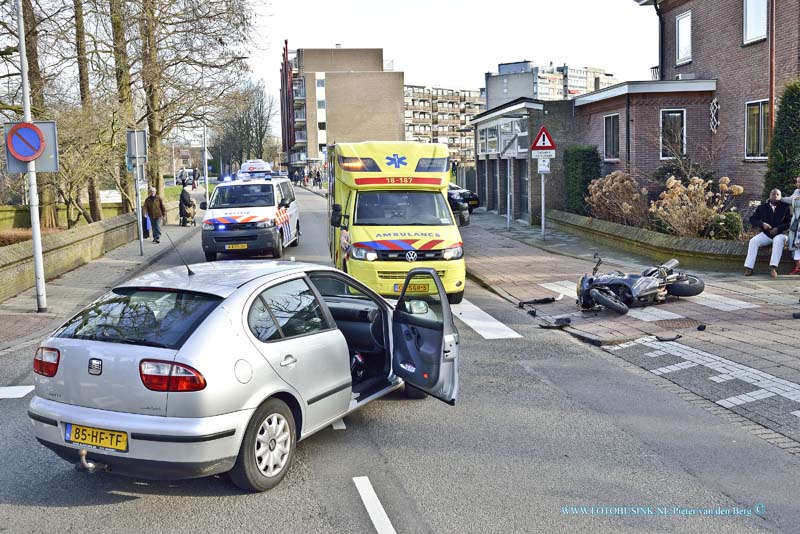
(25, 141)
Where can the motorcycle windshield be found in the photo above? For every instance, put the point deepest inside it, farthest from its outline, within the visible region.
(644, 285)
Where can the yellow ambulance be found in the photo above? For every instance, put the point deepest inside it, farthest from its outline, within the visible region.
(388, 209)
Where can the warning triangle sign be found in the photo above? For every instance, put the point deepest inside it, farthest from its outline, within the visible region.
(543, 141)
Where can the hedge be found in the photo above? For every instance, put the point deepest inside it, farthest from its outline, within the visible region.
(783, 165)
(582, 164)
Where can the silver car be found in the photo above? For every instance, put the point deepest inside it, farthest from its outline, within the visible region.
(224, 367)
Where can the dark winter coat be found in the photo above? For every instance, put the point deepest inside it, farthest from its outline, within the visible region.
(778, 218)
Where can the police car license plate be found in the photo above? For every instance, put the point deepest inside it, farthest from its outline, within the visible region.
(412, 288)
(97, 438)
(237, 246)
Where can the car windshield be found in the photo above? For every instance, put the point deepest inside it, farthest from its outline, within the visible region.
(402, 208)
(153, 318)
(243, 196)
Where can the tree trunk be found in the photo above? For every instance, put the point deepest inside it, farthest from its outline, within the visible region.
(95, 206)
(152, 89)
(47, 195)
(123, 78)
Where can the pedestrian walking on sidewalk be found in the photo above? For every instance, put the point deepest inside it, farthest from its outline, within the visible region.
(773, 219)
(154, 208)
(794, 235)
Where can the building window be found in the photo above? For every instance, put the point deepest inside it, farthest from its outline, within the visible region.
(755, 20)
(683, 38)
(673, 133)
(321, 82)
(320, 104)
(611, 137)
(321, 126)
(757, 132)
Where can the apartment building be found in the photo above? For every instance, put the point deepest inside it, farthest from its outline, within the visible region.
(336, 95)
(547, 82)
(439, 115)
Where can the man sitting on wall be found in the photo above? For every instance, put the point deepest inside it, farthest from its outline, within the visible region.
(772, 218)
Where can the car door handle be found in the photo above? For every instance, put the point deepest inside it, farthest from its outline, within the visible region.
(288, 360)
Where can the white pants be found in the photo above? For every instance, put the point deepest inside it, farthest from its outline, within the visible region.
(762, 240)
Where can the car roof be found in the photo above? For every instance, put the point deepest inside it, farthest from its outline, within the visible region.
(254, 181)
(219, 278)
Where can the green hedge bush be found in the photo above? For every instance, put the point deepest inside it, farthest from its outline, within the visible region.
(582, 164)
(784, 151)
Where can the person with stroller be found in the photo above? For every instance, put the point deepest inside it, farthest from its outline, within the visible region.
(186, 206)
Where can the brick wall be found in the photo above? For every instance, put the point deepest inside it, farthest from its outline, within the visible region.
(741, 71)
(590, 121)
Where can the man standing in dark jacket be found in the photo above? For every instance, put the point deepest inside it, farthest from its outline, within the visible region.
(772, 218)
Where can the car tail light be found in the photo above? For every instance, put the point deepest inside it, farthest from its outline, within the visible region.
(45, 362)
(169, 376)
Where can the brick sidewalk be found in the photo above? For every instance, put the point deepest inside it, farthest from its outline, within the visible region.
(750, 338)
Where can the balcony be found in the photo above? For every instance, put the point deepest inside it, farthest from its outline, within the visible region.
(420, 120)
(655, 72)
(418, 107)
(300, 138)
(449, 122)
(300, 115)
(297, 157)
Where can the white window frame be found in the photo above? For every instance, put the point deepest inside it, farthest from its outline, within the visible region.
(612, 160)
(746, 157)
(679, 60)
(661, 132)
(745, 40)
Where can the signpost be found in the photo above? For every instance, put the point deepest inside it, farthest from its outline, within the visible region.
(544, 149)
(137, 157)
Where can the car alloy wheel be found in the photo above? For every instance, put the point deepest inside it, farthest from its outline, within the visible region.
(273, 445)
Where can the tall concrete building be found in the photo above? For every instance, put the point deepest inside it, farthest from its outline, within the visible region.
(336, 95)
(548, 82)
(439, 115)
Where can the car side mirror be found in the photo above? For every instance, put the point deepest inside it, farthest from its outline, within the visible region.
(203, 205)
(417, 307)
(284, 203)
(336, 215)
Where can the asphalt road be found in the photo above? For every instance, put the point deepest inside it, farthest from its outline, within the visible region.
(543, 426)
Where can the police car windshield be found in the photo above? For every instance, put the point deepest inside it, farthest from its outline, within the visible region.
(402, 208)
(243, 196)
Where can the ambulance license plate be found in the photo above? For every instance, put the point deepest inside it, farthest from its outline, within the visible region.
(97, 438)
(412, 288)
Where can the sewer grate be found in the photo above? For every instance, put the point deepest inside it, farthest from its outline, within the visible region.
(676, 324)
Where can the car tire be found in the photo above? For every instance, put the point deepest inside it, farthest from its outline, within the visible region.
(258, 467)
(277, 252)
(690, 287)
(414, 393)
(296, 241)
(455, 298)
(211, 256)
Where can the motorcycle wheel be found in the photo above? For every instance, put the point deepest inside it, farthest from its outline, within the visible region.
(608, 300)
(690, 287)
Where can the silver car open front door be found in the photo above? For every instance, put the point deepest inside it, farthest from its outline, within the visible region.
(424, 337)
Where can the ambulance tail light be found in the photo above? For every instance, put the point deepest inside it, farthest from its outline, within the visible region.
(351, 164)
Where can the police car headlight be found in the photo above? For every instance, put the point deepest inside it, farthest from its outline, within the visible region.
(363, 254)
(265, 224)
(453, 253)
(208, 226)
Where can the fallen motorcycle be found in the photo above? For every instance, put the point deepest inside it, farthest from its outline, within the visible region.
(618, 291)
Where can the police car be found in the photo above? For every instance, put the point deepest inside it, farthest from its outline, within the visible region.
(256, 214)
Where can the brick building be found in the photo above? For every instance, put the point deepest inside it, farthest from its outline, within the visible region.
(710, 99)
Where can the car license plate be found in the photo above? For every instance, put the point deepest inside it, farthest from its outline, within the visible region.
(237, 246)
(97, 438)
(473, 202)
(412, 288)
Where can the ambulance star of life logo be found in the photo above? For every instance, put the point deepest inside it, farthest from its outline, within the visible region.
(396, 161)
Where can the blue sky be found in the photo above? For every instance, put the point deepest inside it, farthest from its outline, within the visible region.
(452, 43)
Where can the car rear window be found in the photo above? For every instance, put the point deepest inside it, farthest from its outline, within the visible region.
(156, 318)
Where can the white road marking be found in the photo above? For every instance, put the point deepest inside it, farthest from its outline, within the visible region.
(652, 314)
(339, 425)
(14, 392)
(484, 324)
(718, 302)
(727, 369)
(565, 287)
(374, 507)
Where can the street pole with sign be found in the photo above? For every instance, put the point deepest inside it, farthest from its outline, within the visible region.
(137, 156)
(543, 149)
(38, 258)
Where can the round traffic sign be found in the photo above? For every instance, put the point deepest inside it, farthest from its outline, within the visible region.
(25, 141)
